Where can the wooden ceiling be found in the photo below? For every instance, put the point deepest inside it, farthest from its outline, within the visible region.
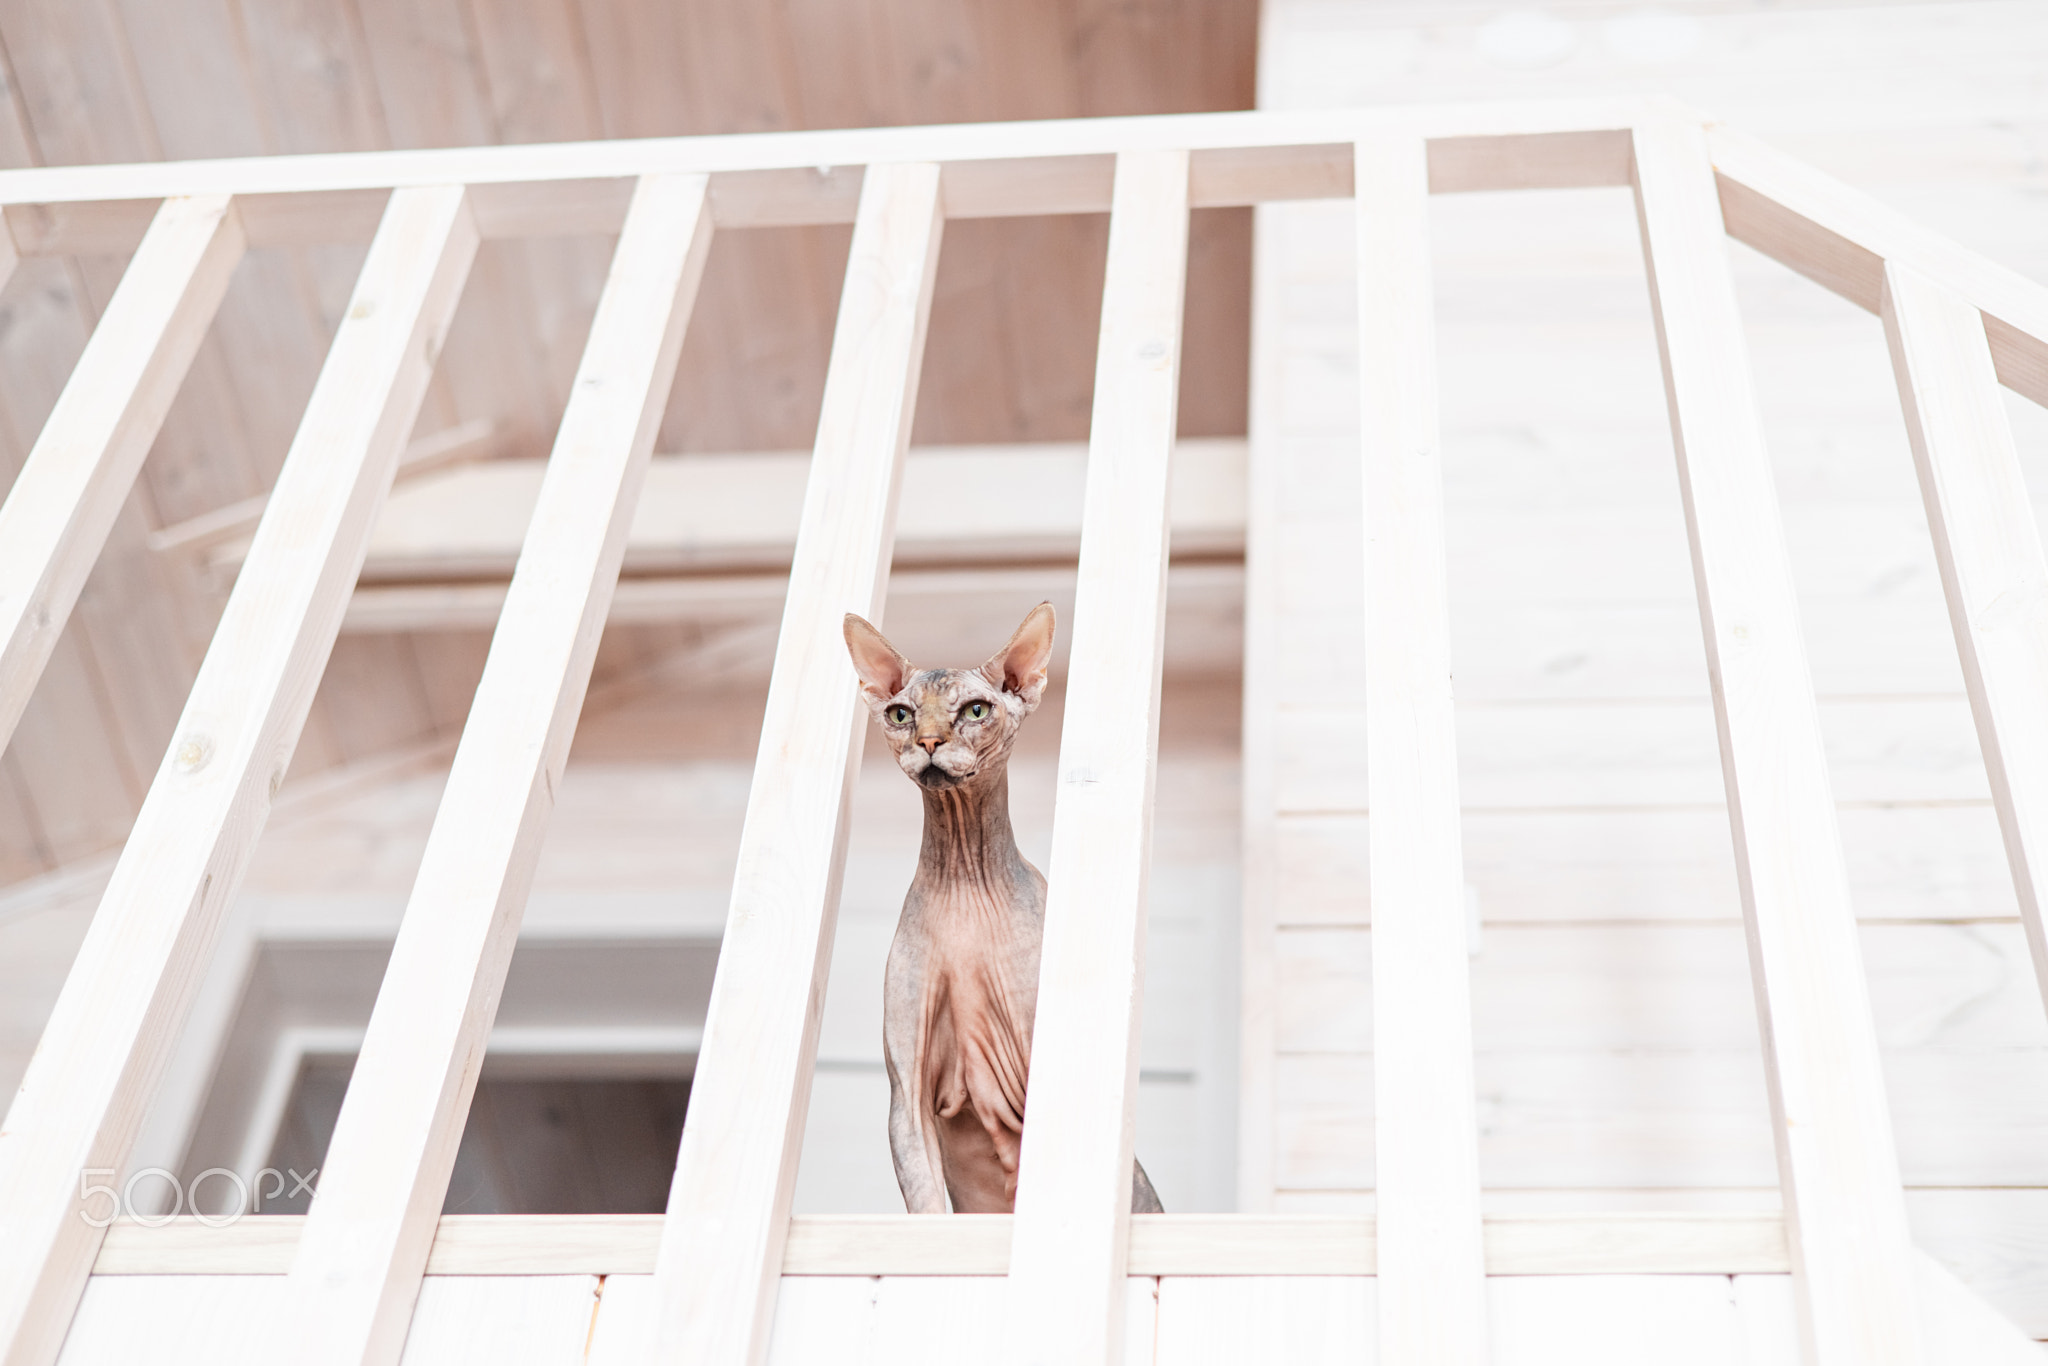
(1012, 334)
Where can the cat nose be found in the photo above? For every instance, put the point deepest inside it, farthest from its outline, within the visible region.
(930, 743)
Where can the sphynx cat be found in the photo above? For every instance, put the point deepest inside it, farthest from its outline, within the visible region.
(962, 982)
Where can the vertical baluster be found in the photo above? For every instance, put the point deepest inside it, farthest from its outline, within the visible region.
(1432, 1273)
(84, 461)
(359, 1262)
(1989, 549)
(1845, 1212)
(728, 1211)
(119, 1013)
(1074, 1178)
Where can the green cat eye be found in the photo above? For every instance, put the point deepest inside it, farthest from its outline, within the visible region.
(899, 716)
(977, 710)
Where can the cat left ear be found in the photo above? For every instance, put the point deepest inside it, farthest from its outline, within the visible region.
(883, 671)
(1019, 667)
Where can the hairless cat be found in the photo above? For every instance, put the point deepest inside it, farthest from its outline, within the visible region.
(962, 983)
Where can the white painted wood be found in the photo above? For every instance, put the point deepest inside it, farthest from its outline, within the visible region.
(1260, 903)
(1432, 1303)
(1837, 1162)
(719, 512)
(729, 1206)
(472, 440)
(113, 1027)
(68, 494)
(1988, 545)
(1228, 171)
(1228, 1320)
(1074, 1173)
(387, 1167)
(1615, 1321)
(1843, 239)
(1962, 1330)
(978, 1245)
(489, 1321)
(827, 1321)
(1767, 1307)
(623, 1331)
(172, 1320)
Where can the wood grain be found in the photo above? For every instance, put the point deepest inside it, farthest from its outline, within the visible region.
(729, 1206)
(114, 1025)
(387, 1167)
(63, 504)
(1988, 545)
(1838, 1165)
(1432, 1304)
(1074, 1176)
(979, 1245)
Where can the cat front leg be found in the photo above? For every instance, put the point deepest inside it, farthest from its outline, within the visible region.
(923, 1192)
(903, 985)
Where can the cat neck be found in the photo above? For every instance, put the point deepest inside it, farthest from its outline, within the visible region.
(967, 835)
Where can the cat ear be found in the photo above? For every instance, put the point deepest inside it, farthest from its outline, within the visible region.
(883, 671)
(1019, 667)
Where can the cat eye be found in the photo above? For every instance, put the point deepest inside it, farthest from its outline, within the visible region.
(977, 710)
(899, 715)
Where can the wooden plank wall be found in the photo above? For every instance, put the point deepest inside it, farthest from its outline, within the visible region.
(1618, 1059)
(119, 80)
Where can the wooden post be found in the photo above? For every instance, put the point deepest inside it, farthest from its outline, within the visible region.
(1845, 1213)
(1989, 549)
(1072, 1233)
(121, 1008)
(71, 489)
(1432, 1272)
(357, 1273)
(728, 1212)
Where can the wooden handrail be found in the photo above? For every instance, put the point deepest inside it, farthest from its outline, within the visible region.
(1959, 325)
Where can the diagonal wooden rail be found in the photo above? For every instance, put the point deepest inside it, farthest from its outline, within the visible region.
(1846, 1213)
(352, 1286)
(1072, 1236)
(62, 506)
(114, 1024)
(728, 1212)
(1992, 567)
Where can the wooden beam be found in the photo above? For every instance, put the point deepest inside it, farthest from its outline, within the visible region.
(1841, 238)
(1074, 1179)
(979, 1245)
(720, 513)
(728, 1209)
(1837, 1163)
(1432, 1288)
(465, 441)
(1993, 571)
(762, 179)
(69, 492)
(359, 1264)
(115, 1022)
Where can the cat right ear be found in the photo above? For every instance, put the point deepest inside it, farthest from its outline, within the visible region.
(1019, 667)
(883, 671)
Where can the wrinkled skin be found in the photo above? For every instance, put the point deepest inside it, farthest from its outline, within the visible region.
(962, 983)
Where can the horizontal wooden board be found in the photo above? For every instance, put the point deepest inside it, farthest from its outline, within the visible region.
(736, 512)
(479, 1246)
(1667, 987)
(1652, 752)
(1906, 862)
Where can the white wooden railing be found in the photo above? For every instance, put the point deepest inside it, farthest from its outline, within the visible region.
(1958, 325)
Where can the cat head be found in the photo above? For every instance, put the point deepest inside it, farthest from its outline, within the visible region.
(950, 727)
